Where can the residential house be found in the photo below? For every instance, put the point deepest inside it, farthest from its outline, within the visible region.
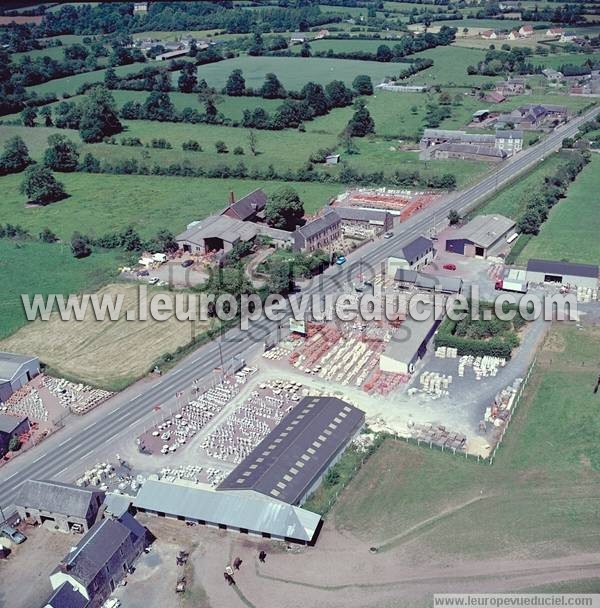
(100, 560)
(568, 37)
(66, 596)
(363, 223)
(526, 31)
(322, 34)
(248, 207)
(511, 86)
(298, 38)
(553, 76)
(513, 35)
(494, 97)
(554, 31)
(321, 233)
(66, 507)
(509, 141)
(413, 256)
(140, 8)
(489, 35)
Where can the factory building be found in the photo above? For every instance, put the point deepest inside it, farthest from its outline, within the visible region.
(289, 463)
(242, 512)
(563, 273)
(16, 371)
(403, 352)
(480, 235)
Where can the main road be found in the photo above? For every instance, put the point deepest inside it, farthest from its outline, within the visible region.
(83, 436)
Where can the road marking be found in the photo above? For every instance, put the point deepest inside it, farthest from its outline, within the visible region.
(9, 478)
(38, 458)
(89, 426)
(177, 371)
(113, 411)
(64, 442)
(63, 470)
(134, 398)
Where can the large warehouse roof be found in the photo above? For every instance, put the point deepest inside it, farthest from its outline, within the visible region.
(232, 509)
(413, 333)
(484, 230)
(11, 363)
(562, 268)
(288, 461)
(219, 227)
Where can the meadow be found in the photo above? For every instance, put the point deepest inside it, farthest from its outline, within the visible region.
(30, 267)
(295, 72)
(539, 497)
(346, 45)
(36, 139)
(99, 204)
(571, 231)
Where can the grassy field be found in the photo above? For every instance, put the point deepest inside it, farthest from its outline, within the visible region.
(295, 72)
(511, 200)
(538, 499)
(100, 352)
(346, 46)
(33, 267)
(572, 228)
(103, 203)
(36, 139)
(450, 67)
(70, 84)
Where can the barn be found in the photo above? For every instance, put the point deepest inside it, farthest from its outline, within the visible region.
(480, 235)
(563, 273)
(16, 371)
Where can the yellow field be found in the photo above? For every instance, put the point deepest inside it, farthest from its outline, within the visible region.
(110, 354)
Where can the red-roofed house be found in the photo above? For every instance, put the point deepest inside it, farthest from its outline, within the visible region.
(526, 30)
(494, 97)
(555, 31)
(489, 35)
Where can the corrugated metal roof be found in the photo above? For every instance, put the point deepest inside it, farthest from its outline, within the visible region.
(551, 267)
(291, 458)
(233, 509)
(222, 227)
(9, 423)
(483, 230)
(11, 364)
(407, 342)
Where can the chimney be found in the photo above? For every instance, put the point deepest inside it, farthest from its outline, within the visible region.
(64, 567)
(231, 197)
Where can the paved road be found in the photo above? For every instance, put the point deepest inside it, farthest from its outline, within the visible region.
(69, 446)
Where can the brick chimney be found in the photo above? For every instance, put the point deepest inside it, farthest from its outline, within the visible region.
(231, 197)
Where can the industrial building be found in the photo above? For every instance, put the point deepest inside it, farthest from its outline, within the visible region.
(243, 512)
(403, 351)
(414, 256)
(480, 235)
(11, 426)
(216, 233)
(65, 507)
(16, 371)
(289, 463)
(407, 279)
(563, 273)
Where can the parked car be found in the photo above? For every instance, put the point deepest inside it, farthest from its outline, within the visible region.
(153, 281)
(341, 260)
(12, 534)
(143, 273)
(187, 263)
(388, 235)
(449, 266)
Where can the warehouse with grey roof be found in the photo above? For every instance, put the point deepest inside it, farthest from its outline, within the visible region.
(563, 273)
(480, 235)
(16, 371)
(290, 462)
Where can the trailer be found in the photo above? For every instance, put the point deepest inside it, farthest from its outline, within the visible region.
(515, 286)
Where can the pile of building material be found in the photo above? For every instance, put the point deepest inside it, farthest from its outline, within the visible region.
(446, 352)
(193, 473)
(79, 398)
(439, 436)
(435, 384)
(282, 351)
(26, 401)
(587, 294)
(501, 410)
(482, 366)
(98, 476)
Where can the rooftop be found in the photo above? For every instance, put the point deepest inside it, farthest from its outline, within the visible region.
(288, 461)
(412, 334)
(66, 596)
(222, 227)
(468, 148)
(358, 213)
(248, 205)
(9, 423)
(11, 363)
(484, 230)
(552, 267)
(234, 509)
(318, 225)
(417, 248)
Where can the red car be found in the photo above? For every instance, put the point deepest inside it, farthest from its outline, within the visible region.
(449, 266)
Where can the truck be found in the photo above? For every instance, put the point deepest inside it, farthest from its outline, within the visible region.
(508, 285)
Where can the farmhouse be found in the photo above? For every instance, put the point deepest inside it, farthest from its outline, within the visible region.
(401, 355)
(526, 31)
(480, 235)
(242, 512)
(513, 35)
(100, 560)
(69, 508)
(563, 273)
(248, 207)
(66, 596)
(413, 256)
(489, 34)
(443, 143)
(509, 141)
(320, 233)
(11, 426)
(511, 86)
(554, 31)
(568, 37)
(363, 223)
(495, 96)
(532, 116)
(16, 371)
(552, 75)
(290, 462)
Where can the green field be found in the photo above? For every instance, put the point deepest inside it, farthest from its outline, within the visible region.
(70, 84)
(572, 228)
(36, 139)
(104, 203)
(295, 72)
(511, 200)
(346, 46)
(540, 497)
(32, 267)
(556, 60)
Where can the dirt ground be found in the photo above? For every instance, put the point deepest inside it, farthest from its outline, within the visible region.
(24, 575)
(103, 353)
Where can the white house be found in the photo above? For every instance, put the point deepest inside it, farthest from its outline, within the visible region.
(526, 30)
(509, 140)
